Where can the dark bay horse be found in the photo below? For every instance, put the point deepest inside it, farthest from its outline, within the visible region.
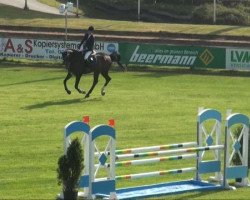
(101, 64)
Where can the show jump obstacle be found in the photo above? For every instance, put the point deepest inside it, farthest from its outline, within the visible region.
(110, 159)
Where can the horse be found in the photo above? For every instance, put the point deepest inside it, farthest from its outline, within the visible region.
(98, 63)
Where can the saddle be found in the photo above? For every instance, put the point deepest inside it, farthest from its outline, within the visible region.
(90, 57)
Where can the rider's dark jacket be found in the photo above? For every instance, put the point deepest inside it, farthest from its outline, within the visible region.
(88, 42)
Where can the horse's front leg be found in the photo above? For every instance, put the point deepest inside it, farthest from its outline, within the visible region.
(95, 81)
(69, 75)
(78, 78)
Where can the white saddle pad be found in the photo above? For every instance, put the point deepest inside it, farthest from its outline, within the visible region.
(88, 53)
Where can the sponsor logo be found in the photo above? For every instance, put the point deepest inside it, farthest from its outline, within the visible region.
(111, 48)
(99, 46)
(54, 44)
(238, 59)
(161, 58)
(206, 57)
(240, 56)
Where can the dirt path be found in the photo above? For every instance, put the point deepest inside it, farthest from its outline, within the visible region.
(32, 4)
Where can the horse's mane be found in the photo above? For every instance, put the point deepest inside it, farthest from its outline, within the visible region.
(101, 54)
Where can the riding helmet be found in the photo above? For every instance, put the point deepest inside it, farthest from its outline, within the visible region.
(91, 28)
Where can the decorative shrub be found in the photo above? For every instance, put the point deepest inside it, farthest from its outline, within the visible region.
(69, 169)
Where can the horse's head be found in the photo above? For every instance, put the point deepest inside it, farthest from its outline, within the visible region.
(116, 57)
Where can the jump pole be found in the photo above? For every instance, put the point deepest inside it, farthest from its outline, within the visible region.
(155, 174)
(159, 153)
(154, 160)
(154, 148)
(151, 160)
(152, 174)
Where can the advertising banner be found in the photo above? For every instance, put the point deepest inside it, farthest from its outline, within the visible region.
(238, 59)
(132, 53)
(169, 55)
(44, 49)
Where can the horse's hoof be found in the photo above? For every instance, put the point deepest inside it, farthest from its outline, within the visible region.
(103, 91)
(86, 96)
(68, 91)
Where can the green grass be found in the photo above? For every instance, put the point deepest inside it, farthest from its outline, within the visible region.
(150, 108)
(18, 17)
(53, 3)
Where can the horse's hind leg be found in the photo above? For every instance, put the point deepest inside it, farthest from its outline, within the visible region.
(78, 78)
(95, 81)
(69, 75)
(108, 79)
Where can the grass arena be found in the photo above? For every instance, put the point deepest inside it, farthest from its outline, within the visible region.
(157, 107)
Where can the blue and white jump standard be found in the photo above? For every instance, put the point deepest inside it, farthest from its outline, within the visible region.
(96, 186)
(239, 171)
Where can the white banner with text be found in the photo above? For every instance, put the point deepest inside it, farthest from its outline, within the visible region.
(39, 49)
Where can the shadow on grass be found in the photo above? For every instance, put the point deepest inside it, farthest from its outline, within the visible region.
(33, 81)
(60, 103)
(102, 11)
(225, 30)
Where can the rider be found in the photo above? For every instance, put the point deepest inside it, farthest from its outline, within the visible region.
(88, 41)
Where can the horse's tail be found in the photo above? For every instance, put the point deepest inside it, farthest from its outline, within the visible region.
(116, 57)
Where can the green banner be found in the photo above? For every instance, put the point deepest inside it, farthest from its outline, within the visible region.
(169, 55)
